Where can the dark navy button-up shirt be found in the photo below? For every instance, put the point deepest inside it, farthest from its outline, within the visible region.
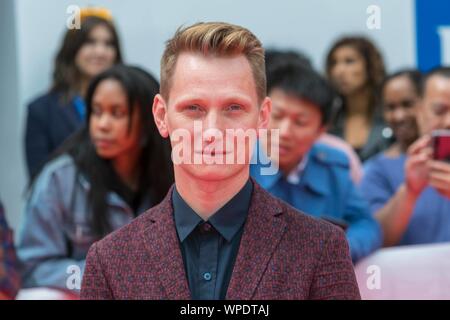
(209, 248)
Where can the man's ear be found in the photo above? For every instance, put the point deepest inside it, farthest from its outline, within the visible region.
(160, 115)
(264, 113)
(323, 128)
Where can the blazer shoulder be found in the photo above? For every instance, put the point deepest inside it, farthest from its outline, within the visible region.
(44, 100)
(302, 224)
(127, 236)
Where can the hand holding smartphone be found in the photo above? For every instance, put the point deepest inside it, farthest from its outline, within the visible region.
(441, 145)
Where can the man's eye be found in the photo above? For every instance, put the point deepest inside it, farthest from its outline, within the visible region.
(276, 116)
(407, 103)
(193, 107)
(234, 107)
(301, 123)
(439, 110)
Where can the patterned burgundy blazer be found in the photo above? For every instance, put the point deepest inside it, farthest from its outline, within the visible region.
(284, 254)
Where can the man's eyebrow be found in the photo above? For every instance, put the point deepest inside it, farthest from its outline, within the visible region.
(189, 98)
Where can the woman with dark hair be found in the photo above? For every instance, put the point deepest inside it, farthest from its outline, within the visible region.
(355, 67)
(115, 168)
(385, 173)
(84, 53)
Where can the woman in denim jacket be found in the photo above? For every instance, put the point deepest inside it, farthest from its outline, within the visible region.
(115, 168)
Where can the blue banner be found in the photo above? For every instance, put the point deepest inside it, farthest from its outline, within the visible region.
(433, 33)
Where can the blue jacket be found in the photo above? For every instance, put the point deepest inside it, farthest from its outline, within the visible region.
(325, 190)
(49, 123)
(55, 232)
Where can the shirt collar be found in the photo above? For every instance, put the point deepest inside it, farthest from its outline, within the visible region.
(294, 176)
(227, 220)
(308, 173)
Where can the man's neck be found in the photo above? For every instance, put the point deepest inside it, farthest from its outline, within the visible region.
(287, 169)
(205, 197)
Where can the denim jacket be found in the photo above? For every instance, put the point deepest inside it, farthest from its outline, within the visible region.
(324, 189)
(55, 233)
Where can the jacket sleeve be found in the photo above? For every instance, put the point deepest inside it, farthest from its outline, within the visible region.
(375, 186)
(43, 245)
(94, 285)
(334, 277)
(9, 274)
(37, 143)
(364, 234)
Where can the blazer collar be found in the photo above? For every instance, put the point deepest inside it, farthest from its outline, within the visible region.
(263, 231)
(161, 241)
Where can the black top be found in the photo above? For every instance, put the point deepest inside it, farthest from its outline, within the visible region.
(209, 248)
(379, 139)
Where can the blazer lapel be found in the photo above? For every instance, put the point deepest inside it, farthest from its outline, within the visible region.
(162, 243)
(70, 116)
(262, 233)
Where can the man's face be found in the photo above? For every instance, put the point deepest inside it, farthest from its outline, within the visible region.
(300, 124)
(217, 93)
(436, 104)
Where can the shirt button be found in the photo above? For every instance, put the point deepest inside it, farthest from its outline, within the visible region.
(206, 227)
(207, 276)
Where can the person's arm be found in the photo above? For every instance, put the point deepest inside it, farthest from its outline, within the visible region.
(9, 275)
(334, 276)
(37, 144)
(363, 233)
(43, 245)
(394, 217)
(94, 285)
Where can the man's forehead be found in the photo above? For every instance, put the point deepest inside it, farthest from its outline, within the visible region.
(195, 72)
(437, 84)
(196, 61)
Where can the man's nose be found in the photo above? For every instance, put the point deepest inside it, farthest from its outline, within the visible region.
(285, 127)
(212, 128)
(212, 120)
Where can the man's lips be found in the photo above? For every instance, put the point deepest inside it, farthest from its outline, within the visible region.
(283, 148)
(212, 152)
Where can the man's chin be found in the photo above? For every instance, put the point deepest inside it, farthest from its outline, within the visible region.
(213, 172)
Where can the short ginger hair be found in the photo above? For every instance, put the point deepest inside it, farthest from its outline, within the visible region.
(214, 39)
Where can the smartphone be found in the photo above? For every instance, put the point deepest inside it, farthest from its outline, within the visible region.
(441, 145)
